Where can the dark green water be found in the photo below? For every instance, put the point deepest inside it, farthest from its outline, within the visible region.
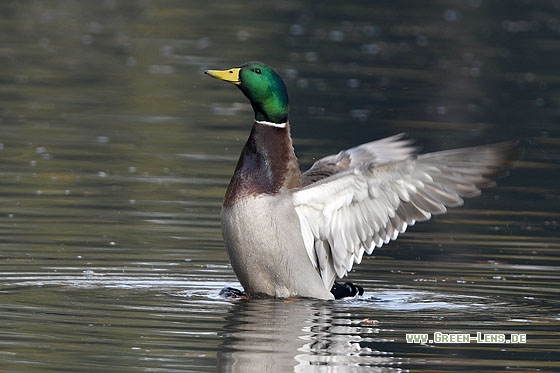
(115, 152)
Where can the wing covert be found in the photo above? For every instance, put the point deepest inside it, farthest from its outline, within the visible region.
(352, 212)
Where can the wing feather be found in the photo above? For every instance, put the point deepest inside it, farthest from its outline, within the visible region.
(368, 202)
(387, 150)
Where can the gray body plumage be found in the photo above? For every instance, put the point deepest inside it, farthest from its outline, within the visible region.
(264, 243)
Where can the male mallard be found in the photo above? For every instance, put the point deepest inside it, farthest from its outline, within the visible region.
(291, 234)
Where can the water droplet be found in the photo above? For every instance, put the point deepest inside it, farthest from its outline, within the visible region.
(422, 40)
(529, 77)
(336, 35)
(372, 48)
(102, 139)
(291, 73)
(371, 30)
(297, 30)
(88, 273)
(166, 50)
(361, 114)
(302, 83)
(475, 72)
(203, 43)
(451, 15)
(242, 35)
(311, 57)
(441, 110)
(353, 83)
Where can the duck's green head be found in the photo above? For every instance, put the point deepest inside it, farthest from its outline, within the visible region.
(262, 86)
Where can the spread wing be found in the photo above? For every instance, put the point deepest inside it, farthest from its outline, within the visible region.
(386, 150)
(354, 211)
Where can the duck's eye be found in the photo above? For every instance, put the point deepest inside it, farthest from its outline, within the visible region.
(257, 71)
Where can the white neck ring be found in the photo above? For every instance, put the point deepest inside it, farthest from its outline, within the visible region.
(272, 124)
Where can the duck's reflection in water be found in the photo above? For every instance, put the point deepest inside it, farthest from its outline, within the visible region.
(269, 335)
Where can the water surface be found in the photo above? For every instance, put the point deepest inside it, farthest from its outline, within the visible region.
(115, 152)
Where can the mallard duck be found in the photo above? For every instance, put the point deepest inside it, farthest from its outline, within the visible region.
(292, 234)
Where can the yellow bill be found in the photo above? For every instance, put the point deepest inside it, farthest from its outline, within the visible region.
(230, 75)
